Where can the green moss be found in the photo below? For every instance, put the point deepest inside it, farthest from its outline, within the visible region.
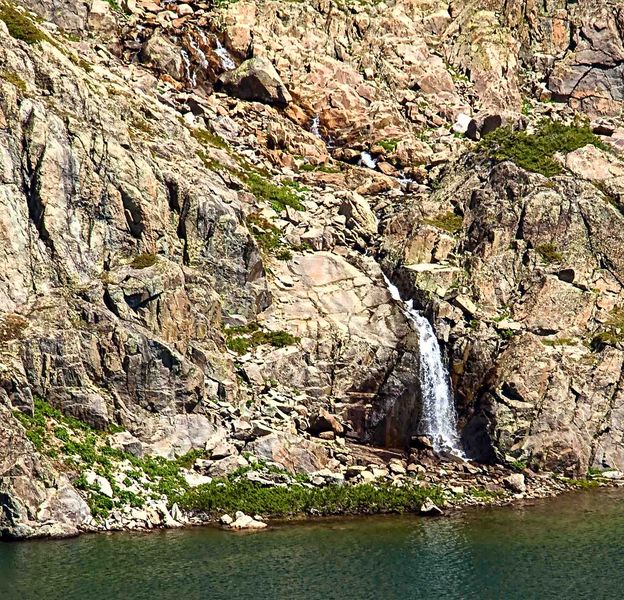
(14, 79)
(223, 495)
(448, 221)
(20, 26)
(536, 152)
(549, 253)
(143, 261)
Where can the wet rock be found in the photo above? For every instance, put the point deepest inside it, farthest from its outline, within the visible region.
(244, 521)
(429, 508)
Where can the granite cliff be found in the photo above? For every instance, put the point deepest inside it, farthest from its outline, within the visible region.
(198, 203)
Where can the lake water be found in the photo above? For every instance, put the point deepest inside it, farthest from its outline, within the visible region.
(568, 547)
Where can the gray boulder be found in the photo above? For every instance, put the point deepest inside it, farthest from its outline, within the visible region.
(256, 79)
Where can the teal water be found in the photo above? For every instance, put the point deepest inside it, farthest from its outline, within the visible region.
(568, 547)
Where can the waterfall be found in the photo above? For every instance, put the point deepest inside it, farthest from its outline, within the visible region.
(315, 127)
(367, 160)
(227, 64)
(188, 69)
(439, 419)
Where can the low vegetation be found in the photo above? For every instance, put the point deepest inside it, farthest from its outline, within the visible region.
(14, 79)
(223, 496)
(80, 449)
(389, 145)
(447, 221)
(143, 261)
(243, 338)
(20, 26)
(549, 253)
(535, 152)
(612, 332)
(278, 196)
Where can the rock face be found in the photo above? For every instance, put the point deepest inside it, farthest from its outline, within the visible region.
(203, 270)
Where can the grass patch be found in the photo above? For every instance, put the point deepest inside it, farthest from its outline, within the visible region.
(559, 342)
(536, 152)
(206, 138)
(80, 448)
(448, 221)
(20, 26)
(583, 484)
(225, 496)
(549, 253)
(307, 167)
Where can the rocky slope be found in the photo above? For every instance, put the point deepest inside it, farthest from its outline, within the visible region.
(192, 242)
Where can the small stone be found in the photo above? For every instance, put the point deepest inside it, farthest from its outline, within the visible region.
(226, 520)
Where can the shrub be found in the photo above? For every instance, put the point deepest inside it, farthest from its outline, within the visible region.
(612, 332)
(243, 338)
(536, 152)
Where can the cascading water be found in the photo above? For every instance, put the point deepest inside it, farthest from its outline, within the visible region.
(438, 420)
(367, 161)
(227, 64)
(315, 128)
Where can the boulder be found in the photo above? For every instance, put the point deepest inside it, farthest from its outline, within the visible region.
(126, 442)
(515, 482)
(323, 421)
(244, 521)
(429, 508)
(257, 80)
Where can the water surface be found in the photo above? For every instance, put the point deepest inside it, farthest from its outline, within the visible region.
(568, 547)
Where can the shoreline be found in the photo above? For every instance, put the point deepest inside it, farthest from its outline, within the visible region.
(549, 486)
(449, 511)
